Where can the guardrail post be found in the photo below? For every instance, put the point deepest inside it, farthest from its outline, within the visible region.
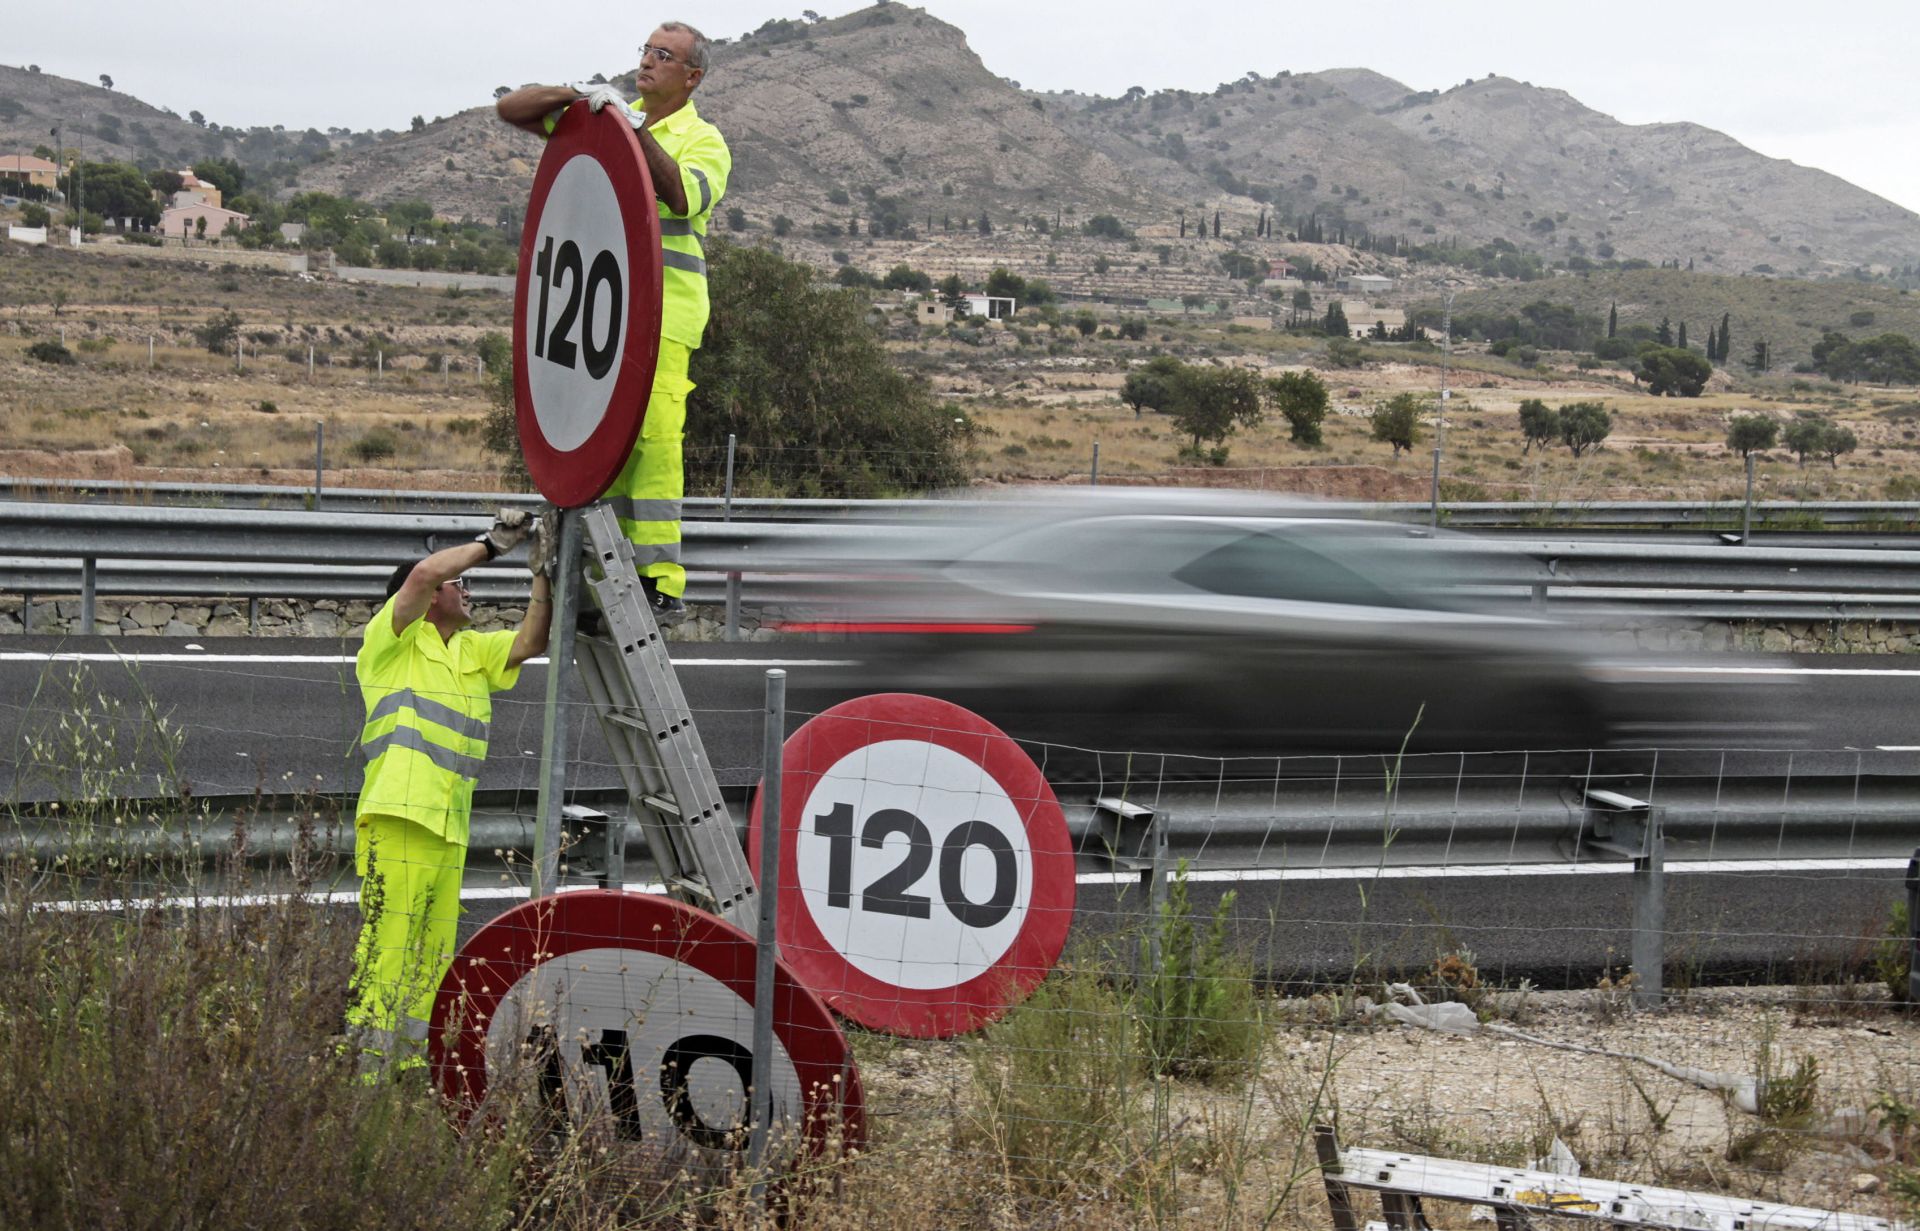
(1632, 828)
(1746, 513)
(253, 617)
(732, 632)
(89, 582)
(26, 613)
(1913, 929)
(1650, 916)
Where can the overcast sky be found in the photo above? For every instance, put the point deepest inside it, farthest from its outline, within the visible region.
(1836, 88)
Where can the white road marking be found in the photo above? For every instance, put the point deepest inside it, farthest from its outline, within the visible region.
(350, 897)
(1702, 670)
(37, 656)
(1609, 868)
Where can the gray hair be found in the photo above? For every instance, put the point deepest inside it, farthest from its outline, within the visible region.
(698, 57)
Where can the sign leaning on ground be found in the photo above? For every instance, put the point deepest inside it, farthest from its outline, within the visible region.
(635, 1012)
(926, 872)
(586, 307)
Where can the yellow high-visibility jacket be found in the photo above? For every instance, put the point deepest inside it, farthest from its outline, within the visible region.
(705, 163)
(429, 704)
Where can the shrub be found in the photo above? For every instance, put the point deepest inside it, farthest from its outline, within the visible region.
(1056, 1078)
(376, 446)
(1893, 954)
(1196, 1003)
(49, 351)
(267, 408)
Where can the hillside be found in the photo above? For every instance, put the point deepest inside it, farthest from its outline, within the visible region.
(107, 126)
(1789, 315)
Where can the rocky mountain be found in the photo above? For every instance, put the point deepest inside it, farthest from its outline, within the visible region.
(887, 113)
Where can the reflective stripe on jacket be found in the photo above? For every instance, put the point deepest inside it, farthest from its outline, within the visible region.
(429, 705)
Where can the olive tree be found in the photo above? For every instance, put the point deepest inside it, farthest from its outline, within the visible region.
(1397, 422)
(1301, 399)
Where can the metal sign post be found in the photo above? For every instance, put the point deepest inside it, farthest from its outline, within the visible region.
(553, 762)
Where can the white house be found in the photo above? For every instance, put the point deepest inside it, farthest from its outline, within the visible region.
(990, 307)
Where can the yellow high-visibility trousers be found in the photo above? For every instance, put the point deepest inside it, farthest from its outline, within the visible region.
(410, 908)
(647, 492)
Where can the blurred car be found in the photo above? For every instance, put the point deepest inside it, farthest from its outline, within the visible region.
(1191, 624)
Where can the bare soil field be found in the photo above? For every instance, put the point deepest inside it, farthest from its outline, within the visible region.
(394, 381)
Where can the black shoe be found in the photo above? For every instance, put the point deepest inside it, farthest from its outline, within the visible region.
(667, 610)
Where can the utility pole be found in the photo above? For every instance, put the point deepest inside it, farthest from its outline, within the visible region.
(1440, 426)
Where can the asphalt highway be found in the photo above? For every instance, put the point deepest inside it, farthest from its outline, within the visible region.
(282, 717)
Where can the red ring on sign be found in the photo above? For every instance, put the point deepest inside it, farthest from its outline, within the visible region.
(921, 1012)
(579, 476)
(512, 945)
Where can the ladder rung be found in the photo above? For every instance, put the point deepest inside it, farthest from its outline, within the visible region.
(661, 805)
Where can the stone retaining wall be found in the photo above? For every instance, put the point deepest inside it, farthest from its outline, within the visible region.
(278, 617)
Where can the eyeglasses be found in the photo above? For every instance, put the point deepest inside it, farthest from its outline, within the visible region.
(659, 55)
(461, 584)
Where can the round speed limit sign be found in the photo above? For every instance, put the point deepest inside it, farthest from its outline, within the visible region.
(927, 878)
(636, 1013)
(586, 307)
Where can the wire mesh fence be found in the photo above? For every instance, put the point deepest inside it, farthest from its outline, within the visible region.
(1437, 954)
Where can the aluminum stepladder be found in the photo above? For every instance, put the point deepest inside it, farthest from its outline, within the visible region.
(651, 733)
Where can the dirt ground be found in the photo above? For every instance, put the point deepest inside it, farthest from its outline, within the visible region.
(1495, 1098)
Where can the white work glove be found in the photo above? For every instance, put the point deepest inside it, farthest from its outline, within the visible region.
(599, 96)
(546, 545)
(510, 527)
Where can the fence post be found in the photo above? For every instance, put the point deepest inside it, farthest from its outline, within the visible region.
(1913, 928)
(149, 350)
(732, 632)
(309, 363)
(772, 761)
(319, 460)
(89, 581)
(1095, 480)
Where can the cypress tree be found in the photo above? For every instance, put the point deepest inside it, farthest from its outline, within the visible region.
(1613, 319)
(1681, 341)
(1726, 336)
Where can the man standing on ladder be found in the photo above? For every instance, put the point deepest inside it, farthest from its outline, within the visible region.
(689, 162)
(427, 681)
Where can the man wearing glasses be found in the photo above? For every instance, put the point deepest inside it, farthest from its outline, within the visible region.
(427, 681)
(689, 162)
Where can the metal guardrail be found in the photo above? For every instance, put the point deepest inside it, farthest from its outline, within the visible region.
(1708, 516)
(93, 549)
